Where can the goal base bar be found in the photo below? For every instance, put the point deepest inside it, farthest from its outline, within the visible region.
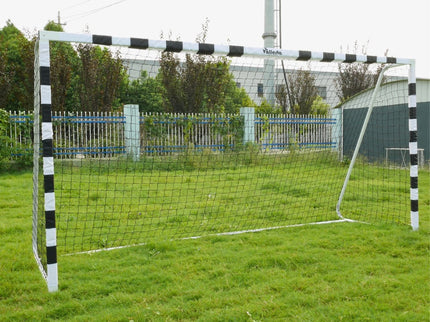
(230, 233)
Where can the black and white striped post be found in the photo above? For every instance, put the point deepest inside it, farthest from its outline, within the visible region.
(413, 145)
(48, 165)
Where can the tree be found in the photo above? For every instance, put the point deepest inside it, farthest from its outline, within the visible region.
(200, 83)
(5, 140)
(16, 69)
(92, 78)
(64, 79)
(88, 78)
(319, 107)
(300, 93)
(101, 75)
(64, 62)
(355, 78)
(282, 98)
(147, 92)
(235, 98)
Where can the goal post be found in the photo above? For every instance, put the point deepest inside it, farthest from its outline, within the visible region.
(44, 228)
(413, 145)
(206, 153)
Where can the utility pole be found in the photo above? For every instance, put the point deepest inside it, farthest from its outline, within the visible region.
(59, 20)
(278, 31)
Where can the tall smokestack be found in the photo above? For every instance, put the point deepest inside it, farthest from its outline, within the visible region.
(269, 37)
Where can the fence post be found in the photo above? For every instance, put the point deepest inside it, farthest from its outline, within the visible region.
(249, 124)
(132, 131)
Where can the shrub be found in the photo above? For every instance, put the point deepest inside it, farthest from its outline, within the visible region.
(5, 140)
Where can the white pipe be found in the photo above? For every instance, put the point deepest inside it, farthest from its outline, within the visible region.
(360, 138)
(269, 37)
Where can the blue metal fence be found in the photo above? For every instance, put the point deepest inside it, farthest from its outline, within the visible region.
(84, 134)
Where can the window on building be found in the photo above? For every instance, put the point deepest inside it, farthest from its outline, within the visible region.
(322, 91)
(260, 91)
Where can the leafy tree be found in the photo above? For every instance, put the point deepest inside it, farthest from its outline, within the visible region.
(171, 80)
(235, 98)
(300, 93)
(5, 140)
(265, 108)
(53, 26)
(16, 69)
(64, 79)
(92, 78)
(282, 98)
(88, 78)
(146, 92)
(200, 83)
(101, 76)
(5, 79)
(355, 78)
(319, 107)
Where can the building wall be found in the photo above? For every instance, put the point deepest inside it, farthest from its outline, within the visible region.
(389, 118)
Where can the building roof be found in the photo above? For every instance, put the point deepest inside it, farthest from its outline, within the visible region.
(391, 93)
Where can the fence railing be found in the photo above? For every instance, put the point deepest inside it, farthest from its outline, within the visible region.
(101, 134)
(298, 131)
(21, 134)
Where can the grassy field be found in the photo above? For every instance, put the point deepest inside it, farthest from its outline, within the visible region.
(110, 203)
(344, 271)
(115, 203)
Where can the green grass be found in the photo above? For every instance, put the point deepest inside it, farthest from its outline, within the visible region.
(115, 202)
(344, 271)
(110, 203)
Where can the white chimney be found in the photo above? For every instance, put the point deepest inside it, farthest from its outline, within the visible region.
(269, 37)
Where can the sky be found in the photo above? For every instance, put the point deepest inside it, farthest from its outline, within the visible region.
(401, 27)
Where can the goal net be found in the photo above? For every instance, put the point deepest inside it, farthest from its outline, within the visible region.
(138, 140)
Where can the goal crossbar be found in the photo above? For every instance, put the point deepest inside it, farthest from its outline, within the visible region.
(224, 50)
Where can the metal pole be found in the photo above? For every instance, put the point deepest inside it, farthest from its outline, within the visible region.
(360, 139)
(269, 37)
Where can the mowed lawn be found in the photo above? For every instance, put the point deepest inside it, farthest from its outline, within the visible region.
(343, 271)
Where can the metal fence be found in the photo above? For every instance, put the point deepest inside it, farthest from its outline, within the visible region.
(101, 134)
(295, 131)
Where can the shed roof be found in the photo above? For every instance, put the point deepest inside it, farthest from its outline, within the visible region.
(392, 93)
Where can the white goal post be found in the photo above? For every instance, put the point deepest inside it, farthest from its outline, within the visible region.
(45, 173)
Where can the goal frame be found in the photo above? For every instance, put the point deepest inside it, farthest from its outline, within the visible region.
(43, 129)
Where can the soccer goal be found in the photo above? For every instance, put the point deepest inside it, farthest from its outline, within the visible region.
(138, 141)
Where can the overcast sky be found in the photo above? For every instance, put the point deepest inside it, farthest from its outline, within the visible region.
(402, 27)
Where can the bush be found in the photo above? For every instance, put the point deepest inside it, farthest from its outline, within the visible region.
(319, 107)
(5, 140)
(10, 147)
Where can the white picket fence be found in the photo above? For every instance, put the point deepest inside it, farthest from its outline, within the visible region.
(101, 134)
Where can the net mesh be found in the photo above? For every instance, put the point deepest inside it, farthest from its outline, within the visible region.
(191, 163)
